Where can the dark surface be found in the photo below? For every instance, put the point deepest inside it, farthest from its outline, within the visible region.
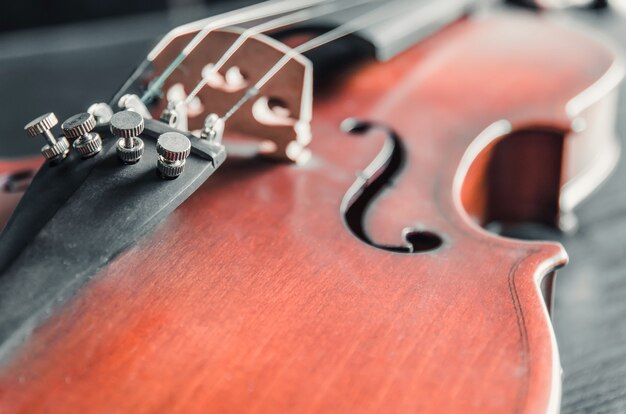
(66, 69)
(34, 13)
(590, 313)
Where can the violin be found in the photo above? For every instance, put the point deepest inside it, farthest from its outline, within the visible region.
(302, 206)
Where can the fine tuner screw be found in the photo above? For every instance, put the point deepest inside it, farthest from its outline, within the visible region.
(173, 149)
(127, 125)
(79, 127)
(213, 129)
(55, 149)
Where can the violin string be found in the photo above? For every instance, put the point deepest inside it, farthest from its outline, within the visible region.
(304, 15)
(370, 18)
(247, 14)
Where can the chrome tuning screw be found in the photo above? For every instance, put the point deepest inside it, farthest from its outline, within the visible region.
(170, 115)
(213, 129)
(173, 149)
(127, 125)
(79, 127)
(56, 149)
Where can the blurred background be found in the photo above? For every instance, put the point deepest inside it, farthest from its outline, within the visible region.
(39, 13)
(21, 15)
(64, 56)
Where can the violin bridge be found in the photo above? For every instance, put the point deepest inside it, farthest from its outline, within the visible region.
(278, 118)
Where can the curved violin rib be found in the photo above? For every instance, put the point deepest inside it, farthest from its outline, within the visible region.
(286, 287)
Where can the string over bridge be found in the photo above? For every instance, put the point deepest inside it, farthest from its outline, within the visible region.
(278, 116)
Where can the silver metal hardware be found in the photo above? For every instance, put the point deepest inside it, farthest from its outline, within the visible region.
(213, 129)
(169, 116)
(173, 149)
(127, 125)
(175, 115)
(102, 112)
(56, 149)
(79, 127)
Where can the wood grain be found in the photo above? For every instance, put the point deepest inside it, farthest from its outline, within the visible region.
(590, 306)
(253, 297)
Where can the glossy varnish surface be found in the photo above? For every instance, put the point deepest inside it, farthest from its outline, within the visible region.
(254, 297)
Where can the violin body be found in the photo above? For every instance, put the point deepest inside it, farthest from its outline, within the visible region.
(271, 290)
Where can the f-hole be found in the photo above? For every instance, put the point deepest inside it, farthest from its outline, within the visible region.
(379, 174)
(513, 186)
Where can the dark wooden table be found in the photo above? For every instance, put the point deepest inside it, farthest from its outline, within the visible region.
(590, 297)
(590, 314)
(64, 69)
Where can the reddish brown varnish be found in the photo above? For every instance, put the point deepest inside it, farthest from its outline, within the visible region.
(254, 297)
(15, 176)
